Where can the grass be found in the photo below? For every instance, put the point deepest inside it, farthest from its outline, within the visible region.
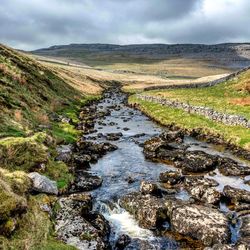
(232, 97)
(166, 116)
(36, 232)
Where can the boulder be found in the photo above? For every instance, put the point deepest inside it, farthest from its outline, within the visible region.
(64, 153)
(203, 189)
(147, 187)
(122, 241)
(173, 136)
(113, 136)
(199, 222)
(171, 177)
(148, 210)
(236, 194)
(85, 181)
(72, 227)
(230, 167)
(197, 162)
(43, 184)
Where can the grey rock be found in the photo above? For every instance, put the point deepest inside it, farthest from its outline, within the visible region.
(43, 184)
(237, 194)
(148, 210)
(200, 222)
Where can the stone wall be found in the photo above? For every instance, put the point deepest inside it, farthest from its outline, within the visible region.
(199, 85)
(209, 113)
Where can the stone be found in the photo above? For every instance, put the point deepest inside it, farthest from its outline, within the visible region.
(122, 241)
(173, 136)
(43, 184)
(199, 222)
(148, 210)
(236, 194)
(171, 177)
(203, 189)
(72, 228)
(64, 153)
(197, 162)
(230, 167)
(147, 187)
(85, 181)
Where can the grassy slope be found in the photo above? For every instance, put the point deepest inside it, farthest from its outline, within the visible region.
(231, 97)
(29, 92)
(215, 97)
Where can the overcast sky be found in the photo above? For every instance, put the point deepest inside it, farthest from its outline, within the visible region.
(31, 24)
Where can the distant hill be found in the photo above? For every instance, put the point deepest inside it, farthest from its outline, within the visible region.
(229, 55)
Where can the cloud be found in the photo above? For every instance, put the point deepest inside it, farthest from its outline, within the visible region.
(40, 23)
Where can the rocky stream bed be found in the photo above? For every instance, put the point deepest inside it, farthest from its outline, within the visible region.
(140, 186)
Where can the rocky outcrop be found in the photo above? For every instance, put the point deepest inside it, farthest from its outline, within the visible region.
(200, 222)
(147, 187)
(230, 167)
(85, 181)
(42, 184)
(196, 162)
(203, 189)
(76, 227)
(236, 194)
(148, 210)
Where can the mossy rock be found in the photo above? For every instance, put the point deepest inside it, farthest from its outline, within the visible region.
(19, 153)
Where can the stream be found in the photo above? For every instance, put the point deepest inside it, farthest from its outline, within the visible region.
(128, 162)
(119, 172)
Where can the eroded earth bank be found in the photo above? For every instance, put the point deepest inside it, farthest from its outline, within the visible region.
(140, 186)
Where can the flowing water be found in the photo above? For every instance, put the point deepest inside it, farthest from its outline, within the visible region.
(128, 162)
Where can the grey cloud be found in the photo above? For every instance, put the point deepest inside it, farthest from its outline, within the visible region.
(40, 23)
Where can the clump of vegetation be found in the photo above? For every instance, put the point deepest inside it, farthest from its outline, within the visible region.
(23, 153)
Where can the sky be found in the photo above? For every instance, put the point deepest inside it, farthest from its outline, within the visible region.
(33, 24)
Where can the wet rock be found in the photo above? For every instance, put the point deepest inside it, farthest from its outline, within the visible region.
(140, 244)
(43, 184)
(122, 241)
(148, 210)
(113, 136)
(126, 129)
(199, 222)
(72, 228)
(82, 161)
(130, 179)
(171, 177)
(245, 231)
(236, 194)
(197, 162)
(230, 167)
(94, 149)
(85, 181)
(173, 136)
(203, 189)
(158, 148)
(147, 187)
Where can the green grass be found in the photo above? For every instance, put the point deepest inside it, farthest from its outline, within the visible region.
(166, 116)
(221, 97)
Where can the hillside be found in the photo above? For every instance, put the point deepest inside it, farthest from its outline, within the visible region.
(39, 109)
(177, 60)
(29, 91)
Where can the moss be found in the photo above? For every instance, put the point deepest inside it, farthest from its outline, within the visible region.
(59, 172)
(23, 153)
(35, 231)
